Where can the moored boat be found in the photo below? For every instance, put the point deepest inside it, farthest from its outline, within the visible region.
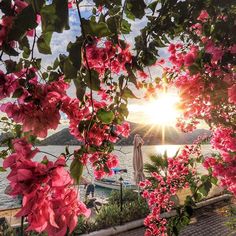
(113, 184)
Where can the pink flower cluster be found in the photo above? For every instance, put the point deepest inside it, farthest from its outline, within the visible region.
(224, 165)
(8, 84)
(37, 107)
(79, 117)
(107, 57)
(7, 21)
(179, 58)
(208, 93)
(103, 163)
(162, 186)
(224, 140)
(201, 83)
(50, 203)
(232, 94)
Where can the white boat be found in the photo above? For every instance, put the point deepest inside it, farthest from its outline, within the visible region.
(113, 184)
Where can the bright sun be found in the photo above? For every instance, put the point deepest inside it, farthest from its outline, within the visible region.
(163, 110)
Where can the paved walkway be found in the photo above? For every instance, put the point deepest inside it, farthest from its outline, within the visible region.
(207, 222)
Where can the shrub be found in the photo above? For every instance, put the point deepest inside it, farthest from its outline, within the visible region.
(128, 196)
(111, 215)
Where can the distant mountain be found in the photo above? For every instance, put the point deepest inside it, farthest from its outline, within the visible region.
(150, 134)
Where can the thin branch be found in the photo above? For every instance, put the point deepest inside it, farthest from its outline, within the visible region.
(33, 45)
(88, 67)
(1, 55)
(85, 54)
(119, 150)
(48, 154)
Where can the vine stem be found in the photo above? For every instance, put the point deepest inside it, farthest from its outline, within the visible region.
(88, 67)
(48, 154)
(85, 53)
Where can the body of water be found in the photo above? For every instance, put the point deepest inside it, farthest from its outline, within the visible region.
(125, 154)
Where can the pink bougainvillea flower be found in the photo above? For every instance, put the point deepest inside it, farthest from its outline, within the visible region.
(203, 17)
(232, 94)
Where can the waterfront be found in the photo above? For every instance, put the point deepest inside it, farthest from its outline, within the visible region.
(125, 161)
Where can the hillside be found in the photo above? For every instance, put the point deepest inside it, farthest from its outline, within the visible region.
(150, 134)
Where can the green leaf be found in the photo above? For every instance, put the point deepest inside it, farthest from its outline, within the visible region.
(189, 210)
(148, 58)
(24, 21)
(131, 75)
(55, 17)
(105, 117)
(113, 24)
(80, 88)
(76, 170)
(37, 5)
(43, 43)
(153, 5)
(69, 70)
(9, 50)
(75, 50)
(18, 92)
(5, 6)
(53, 76)
(123, 109)
(214, 180)
(135, 9)
(10, 66)
(92, 80)
(194, 69)
(26, 52)
(205, 188)
(125, 27)
(24, 42)
(127, 93)
(95, 29)
(55, 64)
(2, 169)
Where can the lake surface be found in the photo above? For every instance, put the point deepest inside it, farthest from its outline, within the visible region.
(125, 154)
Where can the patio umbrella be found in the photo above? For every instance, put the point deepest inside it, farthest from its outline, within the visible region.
(138, 159)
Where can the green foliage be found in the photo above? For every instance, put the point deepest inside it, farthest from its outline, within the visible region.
(158, 162)
(128, 196)
(55, 16)
(111, 215)
(231, 223)
(92, 80)
(43, 43)
(134, 207)
(108, 216)
(74, 50)
(127, 93)
(95, 29)
(135, 9)
(105, 116)
(76, 169)
(24, 21)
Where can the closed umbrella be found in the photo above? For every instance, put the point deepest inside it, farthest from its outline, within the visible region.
(138, 159)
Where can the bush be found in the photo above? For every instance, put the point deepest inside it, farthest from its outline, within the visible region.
(108, 216)
(128, 196)
(111, 215)
(134, 207)
(84, 226)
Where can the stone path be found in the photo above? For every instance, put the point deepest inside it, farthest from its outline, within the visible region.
(207, 222)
